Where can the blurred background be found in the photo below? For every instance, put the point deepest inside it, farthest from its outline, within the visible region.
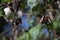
(29, 19)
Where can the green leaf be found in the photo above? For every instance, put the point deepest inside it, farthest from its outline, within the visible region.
(25, 36)
(6, 1)
(31, 22)
(34, 32)
(55, 24)
(1, 11)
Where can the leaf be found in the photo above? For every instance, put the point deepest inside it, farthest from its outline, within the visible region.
(1, 11)
(25, 36)
(34, 32)
(55, 24)
(31, 22)
(6, 1)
